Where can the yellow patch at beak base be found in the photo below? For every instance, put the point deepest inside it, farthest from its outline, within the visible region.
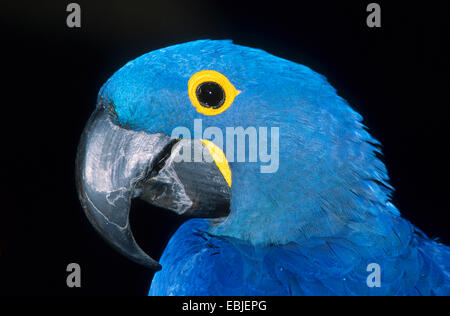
(219, 159)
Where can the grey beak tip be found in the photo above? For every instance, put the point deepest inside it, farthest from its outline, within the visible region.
(114, 165)
(105, 179)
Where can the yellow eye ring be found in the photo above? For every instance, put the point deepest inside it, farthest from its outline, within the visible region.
(216, 78)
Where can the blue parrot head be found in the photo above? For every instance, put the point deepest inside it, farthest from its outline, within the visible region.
(309, 167)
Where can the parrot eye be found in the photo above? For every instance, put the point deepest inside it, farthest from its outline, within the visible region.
(210, 95)
(210, 92)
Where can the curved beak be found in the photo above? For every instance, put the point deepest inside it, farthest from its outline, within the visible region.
(115, 165)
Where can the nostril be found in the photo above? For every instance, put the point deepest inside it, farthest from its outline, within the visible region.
(108, 105)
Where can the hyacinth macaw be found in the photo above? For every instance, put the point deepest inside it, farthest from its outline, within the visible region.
(312, 227)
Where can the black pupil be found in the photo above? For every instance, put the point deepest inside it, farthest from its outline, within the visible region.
(210, 95)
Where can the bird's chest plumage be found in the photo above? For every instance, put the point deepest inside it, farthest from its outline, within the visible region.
(195, 263)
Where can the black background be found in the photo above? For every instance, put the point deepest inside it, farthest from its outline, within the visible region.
(397, 77)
